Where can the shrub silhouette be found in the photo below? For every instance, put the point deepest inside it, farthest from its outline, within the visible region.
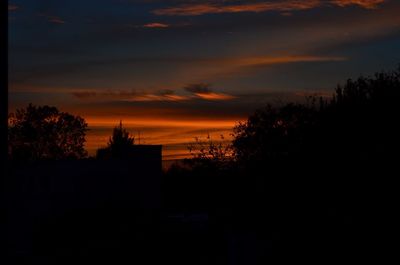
(43, 132)
(119, 144)
(209, 154)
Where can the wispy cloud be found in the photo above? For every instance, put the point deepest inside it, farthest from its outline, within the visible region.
(156, 97)
(214, 96)
(203, 91)
(155, 25)
(215, 7)
(101, 94)
(267, 60)
(369, 4)
(52, 19)
(56, 20)
(228, 68)
(12, 7)
(231, 67)
(131, 96)
(200, 91)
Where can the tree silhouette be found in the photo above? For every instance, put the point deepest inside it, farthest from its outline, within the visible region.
(273, 132)
(119, 144)
(361, 119)
(43, 132)
(359, 122)
(120, 138)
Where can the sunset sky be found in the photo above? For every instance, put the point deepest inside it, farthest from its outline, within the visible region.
(176, 69)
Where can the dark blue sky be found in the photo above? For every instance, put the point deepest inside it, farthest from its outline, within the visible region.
(192, 59)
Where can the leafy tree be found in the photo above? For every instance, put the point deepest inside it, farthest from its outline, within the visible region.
(43, 132)
(119, 144)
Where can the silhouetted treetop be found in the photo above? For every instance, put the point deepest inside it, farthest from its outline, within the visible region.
(119, 144)
(120, 138)
(382, 88)
(43, 132)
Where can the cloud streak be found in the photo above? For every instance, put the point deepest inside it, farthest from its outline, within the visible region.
(155, 25)
(56, 20)
(52, 19)
(368, 4)
(265, 60)
(236, 66)
(200, 91)
(215, 7)
(203, 91)
(127, 96)
(214, 96)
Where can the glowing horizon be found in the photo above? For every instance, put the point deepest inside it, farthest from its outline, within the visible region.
(174, 135)
(203, 123)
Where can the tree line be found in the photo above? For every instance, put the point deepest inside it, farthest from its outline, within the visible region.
(358, 121)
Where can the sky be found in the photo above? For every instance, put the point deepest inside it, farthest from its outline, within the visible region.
(176, 69)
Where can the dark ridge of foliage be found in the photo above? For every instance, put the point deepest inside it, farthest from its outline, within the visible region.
(43, 132)
(359, 122)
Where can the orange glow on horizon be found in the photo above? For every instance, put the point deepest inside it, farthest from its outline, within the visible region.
(173, 135)
(203, 123)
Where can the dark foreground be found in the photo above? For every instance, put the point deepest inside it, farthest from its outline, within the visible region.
(118, 213)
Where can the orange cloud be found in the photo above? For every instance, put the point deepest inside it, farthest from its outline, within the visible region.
(156, 25)
(214, 96)
(143, 97)
(213, 8)
(203, 91)
(56, 20)
(196, 91)
(281, 6)
(155, 97)
(369, 4)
